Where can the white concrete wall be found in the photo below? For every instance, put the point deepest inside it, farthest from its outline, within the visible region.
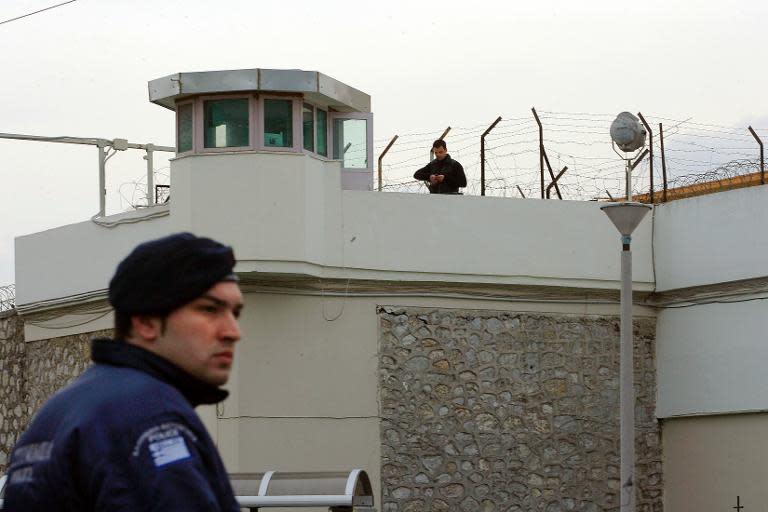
(489, 239)
(78, 258)
(287, 214)
(712, 239)
(270, 207)
(712, 359)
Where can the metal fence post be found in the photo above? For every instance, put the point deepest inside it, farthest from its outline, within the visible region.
(541, 149)
(762, 158)
(482, 155)
(663, 164)
(650, 147)
(554, 182)
(543, 158)
(381, 168)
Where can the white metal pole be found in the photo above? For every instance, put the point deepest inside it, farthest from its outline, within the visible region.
(102, 181)
(629, 180)
(150, 175)
(627, 386)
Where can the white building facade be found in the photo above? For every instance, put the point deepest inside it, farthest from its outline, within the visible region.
(278, 164)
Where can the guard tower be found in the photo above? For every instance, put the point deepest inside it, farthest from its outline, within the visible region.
(289, 112)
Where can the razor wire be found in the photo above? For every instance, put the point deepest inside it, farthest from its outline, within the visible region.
(7, 297)
(695, 152)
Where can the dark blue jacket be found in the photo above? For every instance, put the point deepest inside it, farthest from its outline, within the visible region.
(122, 437)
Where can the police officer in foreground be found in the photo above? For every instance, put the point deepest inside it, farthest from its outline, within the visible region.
(124, 435)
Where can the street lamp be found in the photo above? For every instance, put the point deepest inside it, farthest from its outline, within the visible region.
(626, 216)
(629, 135)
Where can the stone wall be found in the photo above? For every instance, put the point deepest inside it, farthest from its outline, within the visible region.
(55, 362)
(32, 372)
(13, 410)
(497, 411)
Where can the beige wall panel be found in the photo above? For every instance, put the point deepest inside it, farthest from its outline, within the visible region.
(325, 444)
(228, 443)
(710, 460)
(295, 361)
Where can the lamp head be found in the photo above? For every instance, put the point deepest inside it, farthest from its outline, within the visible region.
(627, 132)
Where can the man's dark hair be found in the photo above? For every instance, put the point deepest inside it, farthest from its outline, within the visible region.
(122, 325)
(439, 143)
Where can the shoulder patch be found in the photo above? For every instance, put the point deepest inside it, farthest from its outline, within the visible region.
(168, 450)
(166, 443)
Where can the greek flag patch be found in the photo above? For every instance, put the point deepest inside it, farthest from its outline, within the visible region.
(168, 450)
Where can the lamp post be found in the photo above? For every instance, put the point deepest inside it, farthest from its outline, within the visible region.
(626, 216)
(629, 135)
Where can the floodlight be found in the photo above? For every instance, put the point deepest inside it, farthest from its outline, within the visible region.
(627, 132)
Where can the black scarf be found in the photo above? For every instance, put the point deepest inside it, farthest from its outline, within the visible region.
(121, 353)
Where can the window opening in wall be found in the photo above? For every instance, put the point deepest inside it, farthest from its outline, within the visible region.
(278, 123)
(308, 121)
(226, 123)
(184, 129)
(322, 132)
(350, 142)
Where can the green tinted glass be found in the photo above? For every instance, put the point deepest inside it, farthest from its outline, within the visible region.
(350, 143)
(226, 123)
(322, 132)
(184, 133)
(278, 123)
(308, 122)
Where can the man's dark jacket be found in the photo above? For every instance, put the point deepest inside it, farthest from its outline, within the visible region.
(450, 168)
(122, 437)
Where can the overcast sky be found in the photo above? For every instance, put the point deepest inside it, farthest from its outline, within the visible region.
(82, 70)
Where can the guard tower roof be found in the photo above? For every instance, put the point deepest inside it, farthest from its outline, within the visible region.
(315, 86)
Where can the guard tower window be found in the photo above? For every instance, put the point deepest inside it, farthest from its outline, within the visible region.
(350, 142)
(184, 128)
(226, 123)
(322, 132)
(278, 123)
(308, 122)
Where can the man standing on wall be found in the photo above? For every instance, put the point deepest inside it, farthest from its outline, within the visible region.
(124, 435)
(443, 175)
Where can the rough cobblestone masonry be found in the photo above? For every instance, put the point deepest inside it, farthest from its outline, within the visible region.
(13, 409)
(54, 363)
(497, 411)
(32, 372)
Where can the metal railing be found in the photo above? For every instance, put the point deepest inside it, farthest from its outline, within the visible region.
(3, 480)
(107, 149)
(339, 491)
